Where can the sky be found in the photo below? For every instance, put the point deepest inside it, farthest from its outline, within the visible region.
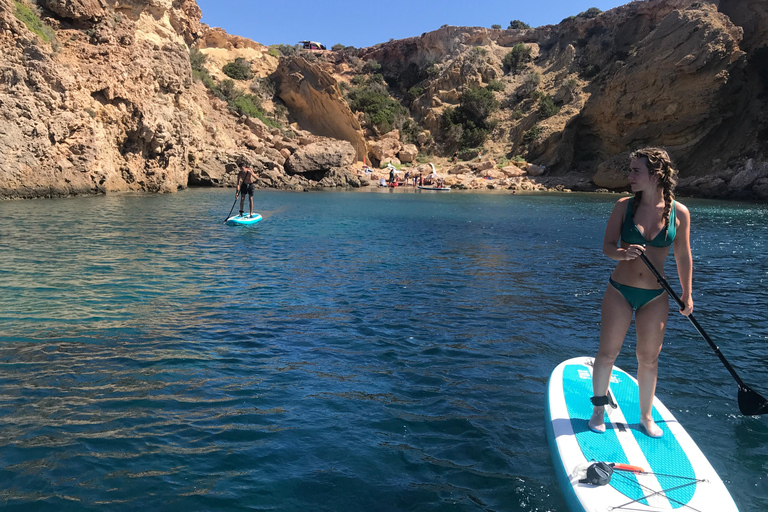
(361, 24)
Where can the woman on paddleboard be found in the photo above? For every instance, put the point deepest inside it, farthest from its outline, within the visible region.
(648, 223)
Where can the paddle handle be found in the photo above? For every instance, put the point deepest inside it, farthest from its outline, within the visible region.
(664, 284)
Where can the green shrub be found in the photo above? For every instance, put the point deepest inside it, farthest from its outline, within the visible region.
(517, 24)
(246, 105)
(532, 135)
(517, 159)
(433, 70)
(517, 58)
(476, 104)
(274, 52)
(239, 69)
(197, 59)
(592, 12)
(467, 125)
(380, 109)
(496, 26)
(337, 47)
(33, 22)
(416, 91)
(227, 90)
(372, 67)
(547, 107)
(286, 49)
(495, 85)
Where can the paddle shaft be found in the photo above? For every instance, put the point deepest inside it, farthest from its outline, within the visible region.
(231, 209)
(664, 284)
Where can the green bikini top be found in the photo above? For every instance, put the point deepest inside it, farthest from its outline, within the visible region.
(632, 235)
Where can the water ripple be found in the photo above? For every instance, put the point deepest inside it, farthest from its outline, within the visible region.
(355, 351)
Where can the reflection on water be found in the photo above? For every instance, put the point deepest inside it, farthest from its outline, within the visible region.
(354, 351)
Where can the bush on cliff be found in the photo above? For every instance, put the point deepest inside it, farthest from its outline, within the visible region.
(381, 110)
(547, 107)
(467, 126)
(284, 49)
(532, 135)
(517, 58)
(592, 12)
(240, 103)
(197, 60)
(518, 25)
(33, 22)
(239, 69)
(495, 86)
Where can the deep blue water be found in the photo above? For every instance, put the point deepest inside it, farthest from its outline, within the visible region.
(355, 351)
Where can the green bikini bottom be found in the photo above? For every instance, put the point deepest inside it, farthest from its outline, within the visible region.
(637, 297)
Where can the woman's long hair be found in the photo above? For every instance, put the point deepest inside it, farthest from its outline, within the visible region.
(659, 164)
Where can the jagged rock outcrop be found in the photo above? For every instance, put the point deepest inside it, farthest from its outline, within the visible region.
(671, 90)
(321, 156)
(677, 73)
(314, 99)
(110, 104)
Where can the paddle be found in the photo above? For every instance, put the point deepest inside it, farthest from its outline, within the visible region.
(231, 209)
(750, 401)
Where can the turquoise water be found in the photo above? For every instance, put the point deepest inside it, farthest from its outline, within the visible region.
(355, 351)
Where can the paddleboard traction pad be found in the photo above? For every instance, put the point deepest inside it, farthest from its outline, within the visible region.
(677, 476)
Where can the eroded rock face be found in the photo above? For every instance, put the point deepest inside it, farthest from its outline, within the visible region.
(112, 106)
(321, 156)
(76, 9)
(314, 98)
(672, 90)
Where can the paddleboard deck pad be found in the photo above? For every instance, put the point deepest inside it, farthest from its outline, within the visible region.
(675, 474)
(244, 219)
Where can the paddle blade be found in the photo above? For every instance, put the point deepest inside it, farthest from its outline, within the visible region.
(751, 403)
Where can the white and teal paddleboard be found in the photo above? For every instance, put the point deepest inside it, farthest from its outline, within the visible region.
(670, 472)
(244, 219)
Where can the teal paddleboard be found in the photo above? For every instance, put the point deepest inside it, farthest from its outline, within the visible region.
(667, 473)
(244, 220)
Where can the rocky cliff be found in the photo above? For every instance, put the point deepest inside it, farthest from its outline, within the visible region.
(100, 95)
(689, 76)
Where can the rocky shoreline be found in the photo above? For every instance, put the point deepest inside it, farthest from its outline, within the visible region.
(103, 96)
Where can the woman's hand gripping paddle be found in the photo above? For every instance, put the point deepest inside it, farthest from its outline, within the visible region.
(750, 401)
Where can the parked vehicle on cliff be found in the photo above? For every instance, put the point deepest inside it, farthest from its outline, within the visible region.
(312, 45)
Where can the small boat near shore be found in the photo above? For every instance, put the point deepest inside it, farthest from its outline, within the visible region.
(445, 189)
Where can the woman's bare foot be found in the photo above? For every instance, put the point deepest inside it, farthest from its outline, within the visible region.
(651, 429)
(597, 421)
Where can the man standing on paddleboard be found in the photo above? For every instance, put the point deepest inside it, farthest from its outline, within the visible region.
(245, 186)
(646, 224)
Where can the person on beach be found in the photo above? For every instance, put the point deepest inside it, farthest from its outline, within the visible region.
(245, 186)
(647, 223)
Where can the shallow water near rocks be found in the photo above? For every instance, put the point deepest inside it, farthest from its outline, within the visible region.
(353, 351)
